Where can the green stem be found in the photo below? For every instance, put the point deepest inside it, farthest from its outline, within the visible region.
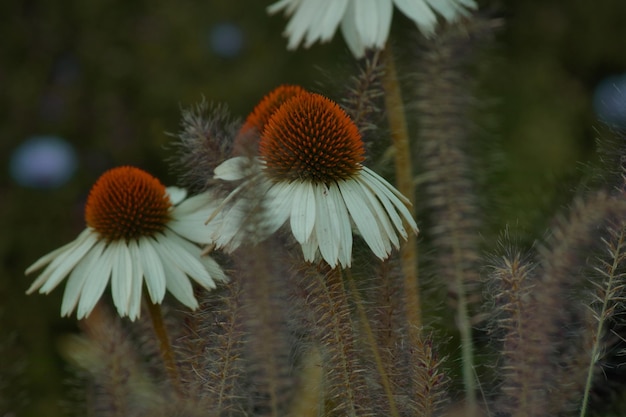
(393, 410)
(167, 353)
(595, 351)
(404, 183)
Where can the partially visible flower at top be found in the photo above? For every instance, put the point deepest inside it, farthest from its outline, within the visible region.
(309, 171)
(137, 231)
(247, 140)
(364, 23)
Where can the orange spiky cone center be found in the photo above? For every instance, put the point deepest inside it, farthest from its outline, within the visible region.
(268, 105)
(311, 138)
(127, 203)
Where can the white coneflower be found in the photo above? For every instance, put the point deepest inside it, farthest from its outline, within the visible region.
(309, 171)
(137, 231)
(364, 23)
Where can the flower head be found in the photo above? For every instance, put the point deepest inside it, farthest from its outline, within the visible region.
(136, 232)
(309, 171)
(364, 23)
(247, 141)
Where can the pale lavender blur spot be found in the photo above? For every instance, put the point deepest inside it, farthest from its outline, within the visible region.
(43, 162)
(609, 101)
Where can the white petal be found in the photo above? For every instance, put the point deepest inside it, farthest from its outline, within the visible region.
(419, 12)
(383, 196)
(189, 218)
(326, 227)
(393, 195)
(303, 211)
(176, 194)
(236, 168)
(280, 198)
(215, 271)
(181, 254)
(121, 279)
(364, 217)
(64, 263)
(350, 32)
(78, 278)
(389, 234)
(385, 13)
(97, 281)
(153, 270)
(309, 248)
(366, 19)
(289, 5)
(344, 226)
(136, 276)
(177, 282)
(46, 259)
(326, 22)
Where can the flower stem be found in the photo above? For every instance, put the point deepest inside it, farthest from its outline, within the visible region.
(367, 329)
(404, 183)
(167, 353)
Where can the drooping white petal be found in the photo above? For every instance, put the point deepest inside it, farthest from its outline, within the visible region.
(287, 5)
(351, 33)
(153, 270)
(121, 278)
(279, 201)
(419, 12)
(326, 227)
(96, 283)
(60, 267)
(324, 25)
(214, 269)
(76, 281)
(344, 226)
(189, 218)
(309, 248)
(303, 211)
(366, 18)
(364, 217)
(381, 217)
(136, 277)
(181, 254)
(382, 187)
(176, 281)
(46, 259)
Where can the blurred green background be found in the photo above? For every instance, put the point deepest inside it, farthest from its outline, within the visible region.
(109, 77)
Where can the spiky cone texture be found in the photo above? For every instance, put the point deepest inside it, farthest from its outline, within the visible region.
(205, 139)
(365, 24)
(548, 337)
(309, 167)
(137, 232)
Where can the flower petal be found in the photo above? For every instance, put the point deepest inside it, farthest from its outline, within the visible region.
(153, 270)
(303, 211)
(326, 227)
(60, 267)
(121, 278)
(97, 281)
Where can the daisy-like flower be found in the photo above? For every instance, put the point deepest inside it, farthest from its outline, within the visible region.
(309, 172)
(137, 231)
(364, 23)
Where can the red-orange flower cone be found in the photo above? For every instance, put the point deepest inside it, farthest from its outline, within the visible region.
(309, 171)
(137, 232)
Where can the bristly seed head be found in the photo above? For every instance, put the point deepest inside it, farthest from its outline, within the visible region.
(311, 138)
(127, 203)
